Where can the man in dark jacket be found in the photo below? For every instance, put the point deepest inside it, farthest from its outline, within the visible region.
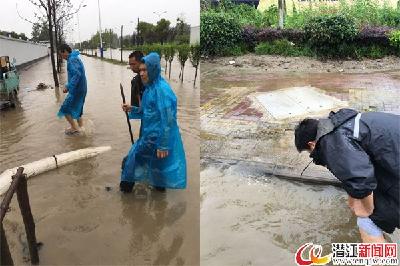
(137, 88)
(363, 152)
(136, 83)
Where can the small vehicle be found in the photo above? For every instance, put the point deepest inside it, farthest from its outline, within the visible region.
(9, 82)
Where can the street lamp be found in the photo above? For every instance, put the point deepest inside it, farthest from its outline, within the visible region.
(79, 31)
(101, 40)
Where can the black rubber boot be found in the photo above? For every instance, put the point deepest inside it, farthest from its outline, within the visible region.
(126, 186)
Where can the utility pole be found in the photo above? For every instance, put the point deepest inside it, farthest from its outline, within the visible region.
(101, 40)
(121, 44)
(137, 32)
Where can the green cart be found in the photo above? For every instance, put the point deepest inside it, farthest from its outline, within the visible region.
(9, 82)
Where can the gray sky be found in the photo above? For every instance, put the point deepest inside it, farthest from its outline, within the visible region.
(114, 13)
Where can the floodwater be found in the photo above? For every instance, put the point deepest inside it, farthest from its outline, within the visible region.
(77, 219)
(248, 217)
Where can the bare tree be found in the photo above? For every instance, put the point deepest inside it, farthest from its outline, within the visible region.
(56, 13)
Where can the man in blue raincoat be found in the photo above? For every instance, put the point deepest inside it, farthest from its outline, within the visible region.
(158, 157)
(72, 107)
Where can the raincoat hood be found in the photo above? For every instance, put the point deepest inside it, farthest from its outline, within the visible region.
(74, 53)
(152, 62)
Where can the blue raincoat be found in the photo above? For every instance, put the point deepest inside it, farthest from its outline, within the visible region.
(159, 131)
(77, 87)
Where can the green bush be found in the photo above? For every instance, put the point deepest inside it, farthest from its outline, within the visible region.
(282, 47)
(395, 40)
(249, 15)
(364, 12)
(327, 32)
(218, 32)
(195, 58)
(183, 55)
(169, 52)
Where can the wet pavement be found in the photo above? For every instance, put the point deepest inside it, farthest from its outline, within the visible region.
(77, 219)
(249, 217)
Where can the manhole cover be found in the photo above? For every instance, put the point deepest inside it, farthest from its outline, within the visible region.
(298, 101)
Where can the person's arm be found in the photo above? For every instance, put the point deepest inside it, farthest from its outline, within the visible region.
(362, 207)
(75, 75)
(134, 112)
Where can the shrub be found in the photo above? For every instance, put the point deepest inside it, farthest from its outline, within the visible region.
(249, 37)
(236, 50)
(272, 34)
(218, 32)
(169, 52)
(395, 39)
(195, 58)
(283, 47)
(374, 35)
(183, 55)
(327, 33)
(248, 15)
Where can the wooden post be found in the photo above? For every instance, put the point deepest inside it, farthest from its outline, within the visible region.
(5, 256)
(23, 201)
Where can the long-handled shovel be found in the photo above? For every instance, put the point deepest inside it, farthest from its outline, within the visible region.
(126, 113)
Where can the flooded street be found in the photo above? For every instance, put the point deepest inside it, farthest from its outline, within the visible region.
(78, 221)
(249, 217)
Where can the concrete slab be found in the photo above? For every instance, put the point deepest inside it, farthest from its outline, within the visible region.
(297, 102)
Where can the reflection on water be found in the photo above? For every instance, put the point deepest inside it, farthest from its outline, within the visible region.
(77, 218)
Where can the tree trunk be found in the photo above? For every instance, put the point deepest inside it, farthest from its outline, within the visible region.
(56, 36)
(169, 76)
(53, 64)
(195, 76)
(281, 13)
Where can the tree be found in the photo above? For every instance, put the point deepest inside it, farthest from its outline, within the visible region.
(169, 53)
(40, 32)
(147, 32)
(183, 54)
(181, 32)
(162, 30)
(195, 58)
(56, 13)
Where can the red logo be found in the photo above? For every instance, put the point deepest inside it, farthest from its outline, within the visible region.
(313, 255)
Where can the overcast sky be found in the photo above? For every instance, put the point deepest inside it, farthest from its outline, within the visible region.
(114, 13)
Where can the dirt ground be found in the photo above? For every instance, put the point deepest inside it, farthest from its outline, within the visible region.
(273, 64)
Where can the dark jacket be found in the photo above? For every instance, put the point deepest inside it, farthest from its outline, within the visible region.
(365, 162)
(137, 89)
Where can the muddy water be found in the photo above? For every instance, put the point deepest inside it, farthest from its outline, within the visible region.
(77, 220)
(249, 218)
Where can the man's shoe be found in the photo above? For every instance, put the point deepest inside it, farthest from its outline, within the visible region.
(126, 186)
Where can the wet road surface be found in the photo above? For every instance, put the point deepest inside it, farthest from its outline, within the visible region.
(247, 216)
(77, 219)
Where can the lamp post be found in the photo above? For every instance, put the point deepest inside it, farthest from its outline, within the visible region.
(79, 31)
(101, 40)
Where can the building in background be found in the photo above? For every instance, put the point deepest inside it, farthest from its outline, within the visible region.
(195, 35)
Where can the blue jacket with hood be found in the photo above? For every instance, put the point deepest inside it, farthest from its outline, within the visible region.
(160, 131)
(77, 87)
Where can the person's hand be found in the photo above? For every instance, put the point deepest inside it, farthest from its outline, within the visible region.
(361, 207)
(65, 90)
(162, 154)
(126, 107)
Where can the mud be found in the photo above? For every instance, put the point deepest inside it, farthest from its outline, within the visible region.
(77, 219)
